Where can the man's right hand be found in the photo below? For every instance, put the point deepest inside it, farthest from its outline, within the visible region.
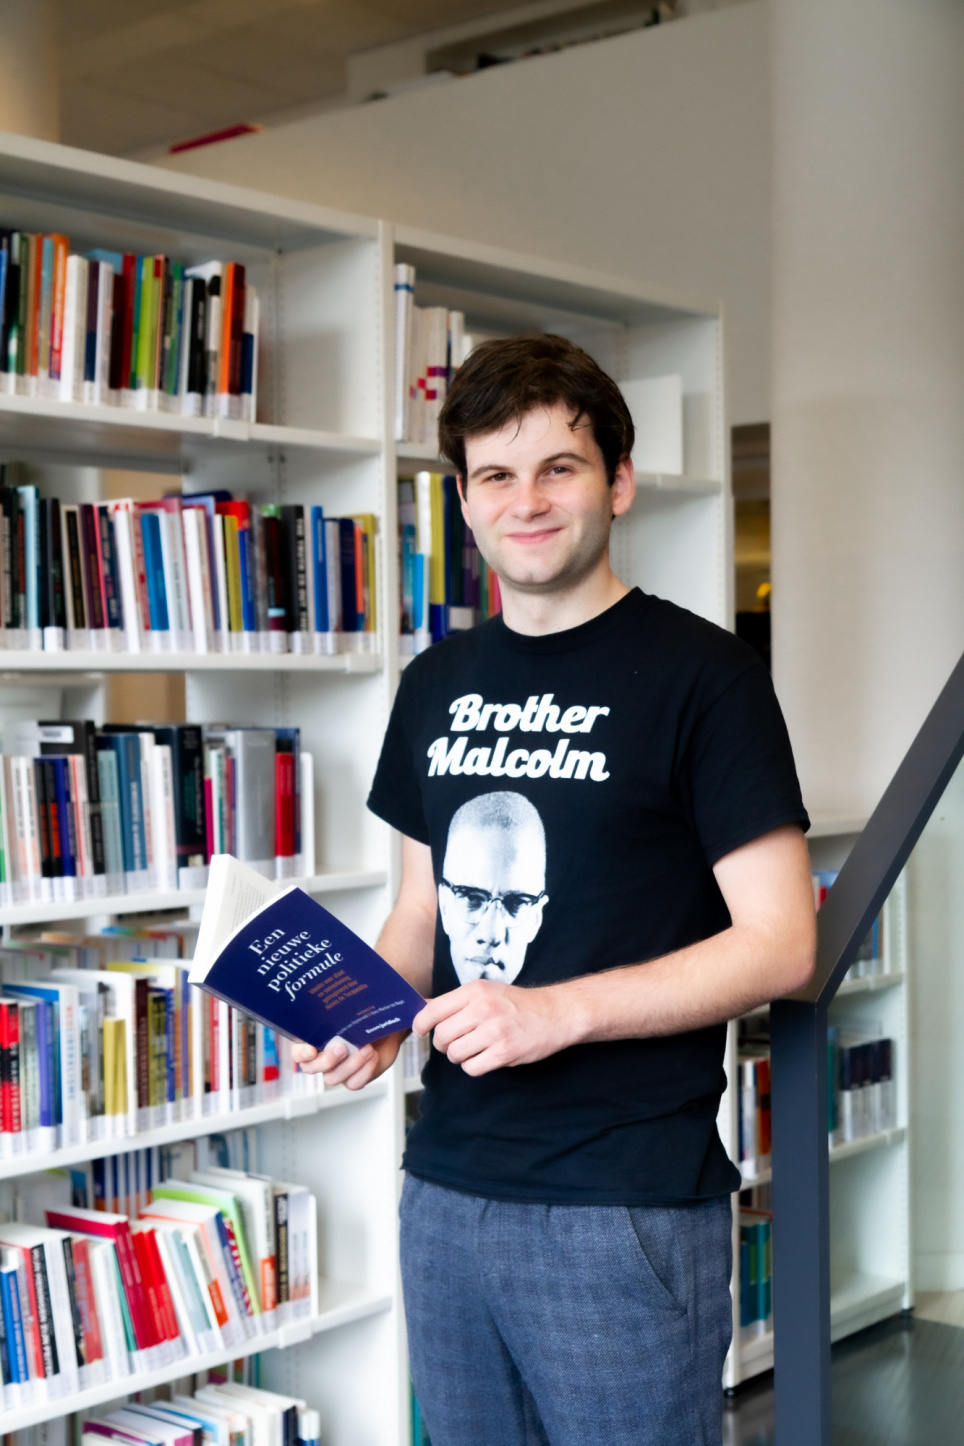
(338, 1065)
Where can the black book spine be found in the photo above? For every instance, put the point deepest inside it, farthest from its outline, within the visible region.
(11, 309)
(45, 1319)
(197, 336)
(281, 1244)
(43, 819)
(74, 564)
(112, 594)
(118, 322)
(90, 340)
(349, 583)
(45, 590)
(55, 553)
(188, 761)
(296, 568)
(75, 1316)
(88, 525)
(7, 509)
(88, 738)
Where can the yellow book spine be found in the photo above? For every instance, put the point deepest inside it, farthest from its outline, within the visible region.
(366, 521)
(232, 565)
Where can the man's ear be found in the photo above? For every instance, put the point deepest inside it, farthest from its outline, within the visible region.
(460, 484)
(623, 489)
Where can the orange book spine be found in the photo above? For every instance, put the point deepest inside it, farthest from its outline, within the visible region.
(61, 248)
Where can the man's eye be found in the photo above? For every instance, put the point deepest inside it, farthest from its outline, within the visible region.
(473, 898)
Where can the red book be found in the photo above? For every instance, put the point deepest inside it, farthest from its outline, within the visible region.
(86, 1300)
(167, 1316)
(237, 331)
(10, 1122)
(116, 1228)
(28, 1305)
(154, 1307)
(215, 1022)
(284, 805)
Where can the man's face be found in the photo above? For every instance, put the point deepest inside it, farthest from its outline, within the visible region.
(491, 899)
(538, 500)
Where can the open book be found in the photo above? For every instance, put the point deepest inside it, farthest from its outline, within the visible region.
(278, 955)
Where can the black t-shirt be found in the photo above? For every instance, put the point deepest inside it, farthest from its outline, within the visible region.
(576, 789)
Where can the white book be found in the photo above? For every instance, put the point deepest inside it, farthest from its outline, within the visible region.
(196, 1280)
(7, 844)
(266, 1423)
(404, 301)
(416, 376)
(162, 817)
(307, 814)
(122, 1006)
(75, 330)
(193, 522)
(122, 516)
(27, 1238)
(187, 1212)
(22, 796)
(104, 1268)
(148, 743)
(252, 328)
(229, 1428)
(172, 579)
(333, 576)
(105, 312)
(456, 341)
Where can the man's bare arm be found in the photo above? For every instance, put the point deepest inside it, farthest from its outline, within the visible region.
(767, 951)
(407, 941)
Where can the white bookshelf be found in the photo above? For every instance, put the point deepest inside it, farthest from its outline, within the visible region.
(870, 1238)
(324, 435)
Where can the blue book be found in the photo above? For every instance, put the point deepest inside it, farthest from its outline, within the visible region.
(65, 816)
(13, 1321)
(126, 748)
(349, 588)
(249, 620)
(29, 504)
(289, 963)
(320, 570)
(154, 572)
(48, 1049)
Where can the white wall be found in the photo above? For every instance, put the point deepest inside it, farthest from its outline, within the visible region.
(868, 475)
(646, 155)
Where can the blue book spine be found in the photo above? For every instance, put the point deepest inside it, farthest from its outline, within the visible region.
(46, 1063)
(249, 619)
(154, 572)
(47, 289)
(29, 495)
(112, 743)
(13, 1319)
(322, 624)
(418, 591)
(234, 1275)
(112, 812)
(130, 773)
(65, 817)
(437, 621)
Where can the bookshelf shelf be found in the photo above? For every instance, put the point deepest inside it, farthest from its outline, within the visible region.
(870, 984)
(856, 1301)
(867, 1142)
(289, 1107)
(33, 427)
(338, 1305)
(161, 899)
(14, 661)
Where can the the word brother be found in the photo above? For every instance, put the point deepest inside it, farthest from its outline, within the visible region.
(471, 714)
(288, 958)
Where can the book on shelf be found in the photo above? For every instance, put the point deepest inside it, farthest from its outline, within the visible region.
(87, 812)
(753, 1118)
(445, 584)
(91, 1295)
(118, 329)
(862, 1090)
(756, 1270)
(194, 573)
(430, 345)
(871, 959)
(104, 1037)
(283, 959)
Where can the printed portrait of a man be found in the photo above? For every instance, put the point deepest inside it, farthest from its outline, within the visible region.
(492, 891)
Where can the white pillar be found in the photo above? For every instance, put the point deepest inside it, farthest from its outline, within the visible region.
(868, 380)
(29, 101)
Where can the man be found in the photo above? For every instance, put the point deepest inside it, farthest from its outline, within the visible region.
(492, 889)
(566, 1218)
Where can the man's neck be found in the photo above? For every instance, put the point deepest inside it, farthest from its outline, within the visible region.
(537, 613)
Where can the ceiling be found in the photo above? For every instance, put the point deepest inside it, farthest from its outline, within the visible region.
(137, 74)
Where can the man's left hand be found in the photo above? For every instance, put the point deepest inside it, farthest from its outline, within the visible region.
(485, 1025)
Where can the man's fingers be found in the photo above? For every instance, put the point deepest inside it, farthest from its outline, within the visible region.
(441, 1008)
(341, 1070)
(469, 1042)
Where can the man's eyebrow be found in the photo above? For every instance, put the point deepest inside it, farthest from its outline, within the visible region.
(546, 461)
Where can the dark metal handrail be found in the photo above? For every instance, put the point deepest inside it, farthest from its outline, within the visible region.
(799, 1083)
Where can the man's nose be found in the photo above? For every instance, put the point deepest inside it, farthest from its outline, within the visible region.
(529, 500)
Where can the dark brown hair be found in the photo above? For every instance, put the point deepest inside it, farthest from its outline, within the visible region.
(503, 380)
